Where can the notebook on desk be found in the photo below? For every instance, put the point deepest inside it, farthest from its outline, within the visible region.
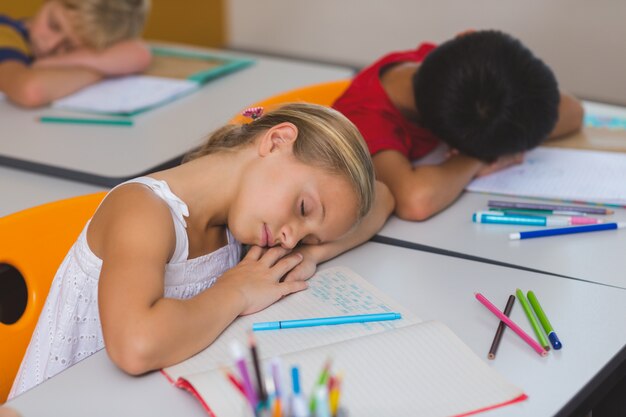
(399, 368)
(173, 73)
(562, 174)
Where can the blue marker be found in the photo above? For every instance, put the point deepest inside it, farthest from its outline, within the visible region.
(324, 321)
(567, 230)
(298, 404)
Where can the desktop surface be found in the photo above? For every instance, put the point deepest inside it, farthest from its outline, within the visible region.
(586, 256)
(108, 155)
(433, 287)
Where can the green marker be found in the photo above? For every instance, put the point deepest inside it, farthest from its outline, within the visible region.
(556, 343)
(532, 319)
(86, 121)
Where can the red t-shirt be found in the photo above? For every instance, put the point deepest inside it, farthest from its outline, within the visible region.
(383, 127)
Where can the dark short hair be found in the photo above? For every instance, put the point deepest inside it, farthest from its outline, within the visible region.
(486, 95)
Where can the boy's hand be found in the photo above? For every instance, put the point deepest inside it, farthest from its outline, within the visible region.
(257, 278)
(82, 57)
(501, 163)
(122, 58)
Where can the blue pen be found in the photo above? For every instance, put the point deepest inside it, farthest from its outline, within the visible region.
(324, 321)
(567, 230)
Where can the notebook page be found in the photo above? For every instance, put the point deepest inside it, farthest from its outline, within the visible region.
(421, 370)
(569, 174)
(125, 94)
(332, 292)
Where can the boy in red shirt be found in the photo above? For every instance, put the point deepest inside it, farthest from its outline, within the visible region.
(483, 94)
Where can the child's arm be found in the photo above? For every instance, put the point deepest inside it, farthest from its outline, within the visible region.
(132, 233)
(34, 87)
(423, 191)
(125, 57)
(369, 225)
(570, 116)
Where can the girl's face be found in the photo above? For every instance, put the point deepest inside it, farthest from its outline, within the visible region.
(282, 201)
(51, 31)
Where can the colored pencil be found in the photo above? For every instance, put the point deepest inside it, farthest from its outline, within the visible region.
(518, 330)
(529, 212)
(501, 326)
(257, 370)
(535, 206)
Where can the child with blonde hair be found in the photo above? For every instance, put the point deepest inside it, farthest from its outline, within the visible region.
(156, 276)
(68, 45)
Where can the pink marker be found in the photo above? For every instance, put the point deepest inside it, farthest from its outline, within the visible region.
(521, 333)
(578, 220)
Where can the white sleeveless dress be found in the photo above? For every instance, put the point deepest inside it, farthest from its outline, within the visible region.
(69, 327)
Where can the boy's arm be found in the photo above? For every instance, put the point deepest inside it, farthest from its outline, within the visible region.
(34, 87)
(570, 116)
(422, 191)
(369, 225)
(125, 57)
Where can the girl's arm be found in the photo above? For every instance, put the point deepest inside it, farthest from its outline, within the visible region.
(371, 223)
(125, 57)
(132, 233)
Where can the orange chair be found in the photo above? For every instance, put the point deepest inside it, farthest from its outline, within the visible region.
(35, 241)
(324, 94)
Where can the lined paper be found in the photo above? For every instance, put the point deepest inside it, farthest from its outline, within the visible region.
(557, 173)
(332, 292)
(419, 370)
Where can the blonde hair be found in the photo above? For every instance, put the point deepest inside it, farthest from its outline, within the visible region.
(326, 139)
(101, 23)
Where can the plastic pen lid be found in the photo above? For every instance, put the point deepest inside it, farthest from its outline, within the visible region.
(269, 325)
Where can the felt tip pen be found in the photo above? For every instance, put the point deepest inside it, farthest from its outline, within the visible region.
(543, 319)
(534, 323)
(249, 391)
(497, 217)
(298, 404)
(566, 230)
(85, 121)
(324, 321)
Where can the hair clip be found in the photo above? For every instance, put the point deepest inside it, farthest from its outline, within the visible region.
(253, 112)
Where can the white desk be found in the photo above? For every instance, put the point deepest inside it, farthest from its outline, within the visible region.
(20, 190)
(597, 257)
(434, 287)
(107, 155)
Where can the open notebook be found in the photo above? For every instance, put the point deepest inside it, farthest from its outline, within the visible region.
(173, 73)
(567, 174)
(395, 368)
